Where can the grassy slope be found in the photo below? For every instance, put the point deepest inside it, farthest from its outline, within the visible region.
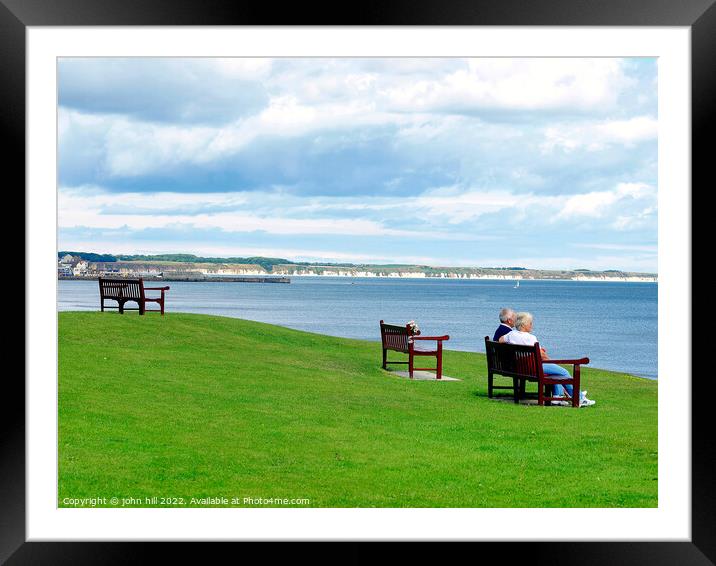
(192, 405)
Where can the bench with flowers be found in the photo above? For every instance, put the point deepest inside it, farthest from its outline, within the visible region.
(406, 339)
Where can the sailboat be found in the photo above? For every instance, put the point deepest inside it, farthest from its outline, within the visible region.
(517, 285)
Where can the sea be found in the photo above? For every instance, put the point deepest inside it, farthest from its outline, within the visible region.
(613, 323)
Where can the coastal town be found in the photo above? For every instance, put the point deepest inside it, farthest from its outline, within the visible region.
(76, 267)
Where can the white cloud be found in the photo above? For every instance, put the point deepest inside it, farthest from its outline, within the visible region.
(451, 205)
(138, 211)
(515, 84)
(414, 96)
(433, 214)
(247, 68)
(455, 206)
(619, 247)
(134, 148)
(232, 222)
(599, 203)
(634, 220)
(596, 136)
(75, 201)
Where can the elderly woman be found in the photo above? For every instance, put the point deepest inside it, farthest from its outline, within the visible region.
(521, 335)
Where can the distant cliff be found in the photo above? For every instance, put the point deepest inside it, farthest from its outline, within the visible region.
(187, 264)
(422, 272)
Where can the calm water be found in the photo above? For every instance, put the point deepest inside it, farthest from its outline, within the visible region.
(614, 324)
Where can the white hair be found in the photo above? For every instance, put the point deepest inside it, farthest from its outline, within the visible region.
(506, 314)
(522, 319)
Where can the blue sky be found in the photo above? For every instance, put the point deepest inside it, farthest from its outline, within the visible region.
(542, 163)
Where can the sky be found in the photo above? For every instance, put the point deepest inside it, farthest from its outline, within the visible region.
(545, 163)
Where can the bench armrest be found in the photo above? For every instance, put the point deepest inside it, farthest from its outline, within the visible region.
(156, 288)
(438, 338)
(573, 362)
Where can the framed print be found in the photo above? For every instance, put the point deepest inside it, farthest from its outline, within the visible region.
(276, 188)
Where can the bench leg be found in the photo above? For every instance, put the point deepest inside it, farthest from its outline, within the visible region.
(489, 384)
(385, 358)
(540, 393)
(576, 391)
(121, 307)
(142, 306)
(411, 364)
(439, 370)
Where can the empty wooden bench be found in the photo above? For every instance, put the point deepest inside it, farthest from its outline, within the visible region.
(523, 364)
(402, 339)
(129, 290)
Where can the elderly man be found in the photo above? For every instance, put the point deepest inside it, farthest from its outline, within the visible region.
(507, 323)
(521, 334)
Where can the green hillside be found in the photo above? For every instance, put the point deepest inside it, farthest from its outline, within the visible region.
(201, 406)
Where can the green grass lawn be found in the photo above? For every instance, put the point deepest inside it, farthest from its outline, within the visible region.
(202, 406)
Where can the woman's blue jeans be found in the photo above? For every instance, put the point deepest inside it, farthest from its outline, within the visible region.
(555, 371)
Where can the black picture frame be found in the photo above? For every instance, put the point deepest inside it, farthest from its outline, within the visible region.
(17, 15)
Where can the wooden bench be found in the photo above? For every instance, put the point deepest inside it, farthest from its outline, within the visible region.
(402, 339)
(129, 290)
(523, 364)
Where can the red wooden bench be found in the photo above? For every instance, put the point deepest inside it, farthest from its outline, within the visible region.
(129, 290)
(402, 339)
(523, 364)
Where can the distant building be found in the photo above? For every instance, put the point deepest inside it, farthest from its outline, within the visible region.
(80, 268)
(148, 270)
(67, 259)
(64, 270)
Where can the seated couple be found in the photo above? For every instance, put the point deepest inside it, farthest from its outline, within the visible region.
(515, 328)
